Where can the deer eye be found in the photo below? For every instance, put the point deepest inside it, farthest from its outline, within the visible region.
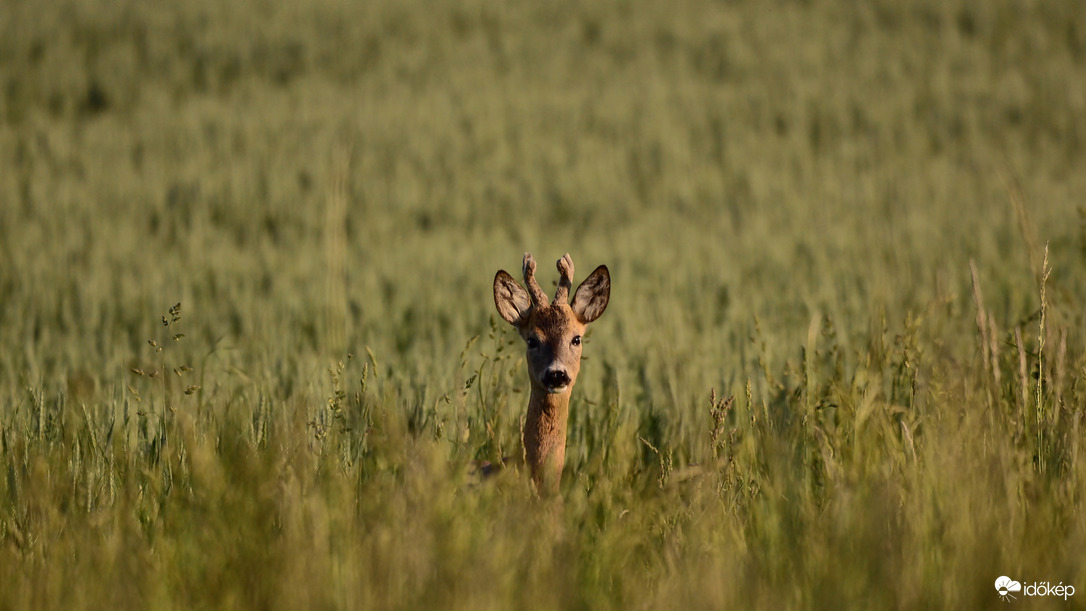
(576, 341)
(533, 343)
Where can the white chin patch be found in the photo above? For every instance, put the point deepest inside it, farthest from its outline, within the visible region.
(554, 390)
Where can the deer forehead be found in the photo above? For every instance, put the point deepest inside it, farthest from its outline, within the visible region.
(553, 322)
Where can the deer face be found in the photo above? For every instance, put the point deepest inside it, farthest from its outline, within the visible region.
(552, 332)
(553, 337)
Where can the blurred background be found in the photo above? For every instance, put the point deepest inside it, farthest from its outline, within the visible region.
(770, 184)
(328, 174)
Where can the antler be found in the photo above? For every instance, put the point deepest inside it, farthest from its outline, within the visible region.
(565, 268)
(539, 298)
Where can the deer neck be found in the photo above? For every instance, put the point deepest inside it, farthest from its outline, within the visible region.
(545, 436)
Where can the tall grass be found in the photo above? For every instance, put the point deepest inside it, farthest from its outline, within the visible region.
(843, 363)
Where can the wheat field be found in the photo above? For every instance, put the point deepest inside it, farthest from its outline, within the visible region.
(249, 355)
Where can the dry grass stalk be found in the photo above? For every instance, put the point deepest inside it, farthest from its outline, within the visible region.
(1025, 226)
(1023, 370)
(986, 329)
(1045, 271)
(335, 250)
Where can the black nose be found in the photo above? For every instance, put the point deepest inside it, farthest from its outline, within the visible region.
(555, 378)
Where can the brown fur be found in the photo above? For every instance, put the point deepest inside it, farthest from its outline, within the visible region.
(552, 333)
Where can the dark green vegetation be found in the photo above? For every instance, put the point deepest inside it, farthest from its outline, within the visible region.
(789, 196)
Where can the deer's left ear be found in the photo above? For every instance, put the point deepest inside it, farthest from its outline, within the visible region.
(592, 296)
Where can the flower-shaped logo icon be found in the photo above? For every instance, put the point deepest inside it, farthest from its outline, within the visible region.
(1005, 585)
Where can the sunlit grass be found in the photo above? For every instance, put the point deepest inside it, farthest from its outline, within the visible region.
(842, 366)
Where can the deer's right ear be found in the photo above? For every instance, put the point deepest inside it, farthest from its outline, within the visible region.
(511, 299)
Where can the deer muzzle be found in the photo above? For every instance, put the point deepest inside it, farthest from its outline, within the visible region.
(555, 380)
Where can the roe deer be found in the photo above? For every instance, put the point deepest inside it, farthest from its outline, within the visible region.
(552, 332)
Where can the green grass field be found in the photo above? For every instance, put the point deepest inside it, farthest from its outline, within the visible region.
(866, 222)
